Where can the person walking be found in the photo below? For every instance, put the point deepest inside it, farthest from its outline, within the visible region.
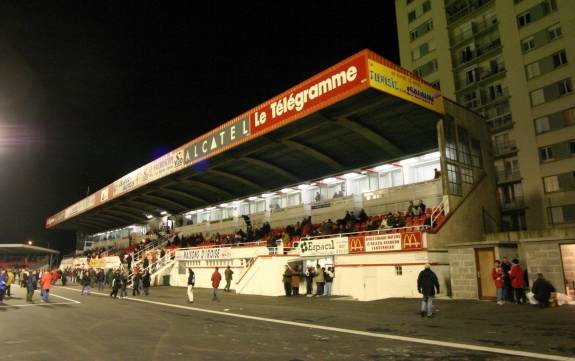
(116, 283)
(146, 282)
(45, 284)
(427, 285)
(100, 279)
(228, 273)
(9, 282)
(216, 279)
(295, 281)
(191, 284)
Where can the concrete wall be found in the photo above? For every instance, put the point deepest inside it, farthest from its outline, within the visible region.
(463, 273)
(544, 257)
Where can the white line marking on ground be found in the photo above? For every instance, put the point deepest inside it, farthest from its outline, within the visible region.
(65, 298)
(461, 346)
(38, 304)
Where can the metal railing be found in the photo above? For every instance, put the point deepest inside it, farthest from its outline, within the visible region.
(504, 148)
(509, 175)
(476, 28)
(455, 13)
(517, 202)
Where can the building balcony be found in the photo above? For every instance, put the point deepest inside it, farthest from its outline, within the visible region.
(508, 176)
(477, 28)
(500, 122)
(481, 76)
(504, 148)
(471, 56)
(508, 205)
(459, 9)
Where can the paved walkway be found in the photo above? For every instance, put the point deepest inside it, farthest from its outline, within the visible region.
(243, 327)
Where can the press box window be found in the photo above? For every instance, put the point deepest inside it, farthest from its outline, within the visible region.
(398, 270)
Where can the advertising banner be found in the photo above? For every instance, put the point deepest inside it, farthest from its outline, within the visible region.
(324, 247)
(218, 140)
(356, 244)
(311, 95)
(398, 82)
(411, 240)
(383, 242)
(203, 254)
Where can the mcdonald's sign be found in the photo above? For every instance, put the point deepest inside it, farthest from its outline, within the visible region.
(356, 244)
(411, 240)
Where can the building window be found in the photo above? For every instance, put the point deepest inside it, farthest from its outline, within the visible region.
(421, 30)
(398, 270)
(546, 154)
(561, 214)
(559, 58)
(565, 87)
(411, 16)
(436, 84)
(453, 179)
(559, 183)
(426, 69)
(524, 19)
(554, 32)
(418, 11)
(532, 70)
(528, 44)
(542, 125)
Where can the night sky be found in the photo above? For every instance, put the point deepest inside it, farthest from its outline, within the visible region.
(91, 90)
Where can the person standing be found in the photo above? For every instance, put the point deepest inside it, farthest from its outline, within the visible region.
(45, 283)
(100, 278)
(136, 283)
(309, 275)
(497, 275)
(123, 285)
(3, 280)
(85, 283)
(31, 285)
(517, 281)
(329, 275)
(295, 281)
(286, 279)
(507, 289)
(129, 261)
(216, 279)
(319, 280)
(228, 273)
(191, 284)
(146, 282)
(9, 282)
(427, 285)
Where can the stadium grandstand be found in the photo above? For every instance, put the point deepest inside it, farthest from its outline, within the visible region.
(19, 256)
(363, 167)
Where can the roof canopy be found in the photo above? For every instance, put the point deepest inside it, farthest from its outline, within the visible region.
(360, 112)
(16, 249)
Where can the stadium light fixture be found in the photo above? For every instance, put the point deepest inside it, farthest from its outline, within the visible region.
(30, 243)
(431, 156)
(224, 205)
(253, 198)
(303, 186)
(287, 190)
(149, 216)
(210, 208)
(384, 168)
(163, 213)
(267, 195)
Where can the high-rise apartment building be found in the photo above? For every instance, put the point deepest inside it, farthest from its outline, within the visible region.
(512, 61)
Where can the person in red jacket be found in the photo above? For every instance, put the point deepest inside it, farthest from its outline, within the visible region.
(45, 283)
(216, 278)
(517, 281)
(497, 275)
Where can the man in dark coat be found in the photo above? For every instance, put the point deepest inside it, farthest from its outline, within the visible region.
(427, 285)
(542, 291)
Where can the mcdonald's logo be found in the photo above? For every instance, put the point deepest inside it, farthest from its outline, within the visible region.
(356, 245)
(411, 240)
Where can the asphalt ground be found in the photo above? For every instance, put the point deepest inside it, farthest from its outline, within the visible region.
(164, 326)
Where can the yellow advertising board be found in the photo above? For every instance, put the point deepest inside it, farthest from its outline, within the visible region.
(403, 85)
(98, 262)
